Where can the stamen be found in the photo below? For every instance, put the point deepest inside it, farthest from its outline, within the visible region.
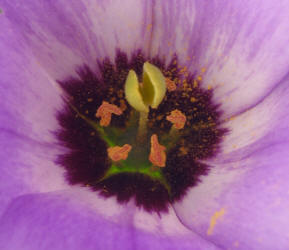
(157, 155)
(119, 153)
(177, 118)
(171, 86)
(104, 112)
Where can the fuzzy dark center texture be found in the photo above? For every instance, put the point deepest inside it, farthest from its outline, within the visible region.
(87, 162)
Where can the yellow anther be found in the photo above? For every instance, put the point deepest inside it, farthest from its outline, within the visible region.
(149, 93)
(104, 112)
(177, 118)
(157, 155)
(171, 86)
(119, 153)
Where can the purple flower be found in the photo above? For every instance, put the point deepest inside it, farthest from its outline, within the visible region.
(240, 49)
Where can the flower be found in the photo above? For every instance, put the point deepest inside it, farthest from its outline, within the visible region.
(240, 47)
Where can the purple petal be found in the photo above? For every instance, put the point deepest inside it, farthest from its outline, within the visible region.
(264, 125)
(244, 201)
(64, 34)
(28, 97)
(241, 45)
(64, 221)
(26, 167)
(28, 102)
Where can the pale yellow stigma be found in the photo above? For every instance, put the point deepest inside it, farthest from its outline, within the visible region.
(104, 112)
(119, 153)
(133, 94)
(157, 155)
(177, 118)
(149, 93)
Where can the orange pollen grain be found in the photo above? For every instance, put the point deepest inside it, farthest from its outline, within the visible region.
(104, 112)
(157, 155)
(177, 118)
(119, 153)
(171, 86)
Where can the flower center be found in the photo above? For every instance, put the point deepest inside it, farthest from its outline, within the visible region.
(138, 130)
(138, 156)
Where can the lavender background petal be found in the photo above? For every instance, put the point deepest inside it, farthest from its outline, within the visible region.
(241, 45)
(244, 201)
(26, 167)
(264, 125)
(62, 34)
(28, 102)
(29, 98)
(56, 221)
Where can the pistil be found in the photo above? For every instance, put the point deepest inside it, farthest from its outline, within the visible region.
(142, 126)
(149, 93)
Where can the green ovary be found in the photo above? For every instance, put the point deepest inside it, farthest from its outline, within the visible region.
(138, 159)
(141, 96)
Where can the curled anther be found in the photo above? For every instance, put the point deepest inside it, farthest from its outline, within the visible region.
(177, 118)
(105, 111)
(118, 153)
(157, 155)
(171, 86)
